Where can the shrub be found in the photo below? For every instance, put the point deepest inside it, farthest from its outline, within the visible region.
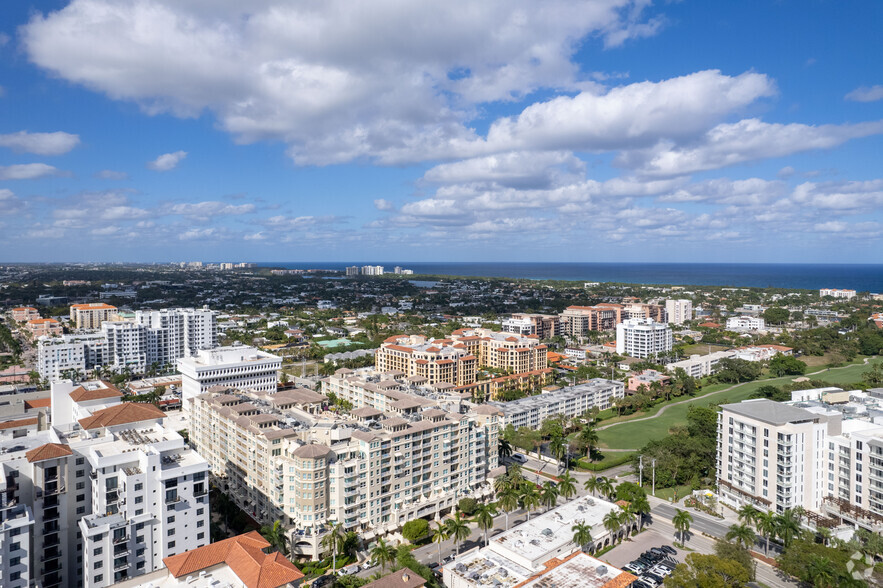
(467, 506)
(415, 530)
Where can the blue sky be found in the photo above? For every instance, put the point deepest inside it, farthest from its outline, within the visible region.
(608, 130)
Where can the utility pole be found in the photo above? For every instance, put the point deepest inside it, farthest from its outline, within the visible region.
(653, 463)
(641, 471)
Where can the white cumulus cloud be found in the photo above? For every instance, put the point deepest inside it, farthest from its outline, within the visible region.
(27, 171)
(866, 94)
(57, 143)
(167, 161)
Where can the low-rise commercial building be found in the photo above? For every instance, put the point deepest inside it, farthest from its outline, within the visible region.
(745, 323)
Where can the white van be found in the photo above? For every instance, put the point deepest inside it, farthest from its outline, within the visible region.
(519, 457)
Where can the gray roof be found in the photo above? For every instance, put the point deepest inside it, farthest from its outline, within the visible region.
(769, 411)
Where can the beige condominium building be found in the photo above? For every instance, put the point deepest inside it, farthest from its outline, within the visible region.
(456, 360)
(92, 314)
(282, 457)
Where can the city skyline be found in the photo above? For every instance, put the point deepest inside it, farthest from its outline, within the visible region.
(593, 131)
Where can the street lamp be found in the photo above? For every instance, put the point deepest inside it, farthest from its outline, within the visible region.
(653, 463)
(641, 471)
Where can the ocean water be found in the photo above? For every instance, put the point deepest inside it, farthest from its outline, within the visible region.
(863, 278)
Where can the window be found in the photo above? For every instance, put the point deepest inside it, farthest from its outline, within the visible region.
(98, 564)
(139, 486)
(140, 552)
(171, 544)
(199, 512)
(139, 526)
(80, 461)
(139, 499)
(81, 473)
(81, 497)
(81, 485)
(81, 510)
(171, 531)
(99, 578)
(170, 520)
(200, 536)
(200, 523)
(98, 551)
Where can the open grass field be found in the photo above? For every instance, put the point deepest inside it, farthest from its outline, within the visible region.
(634, 434)
(704, 348)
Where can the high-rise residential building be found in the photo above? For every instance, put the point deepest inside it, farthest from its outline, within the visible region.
(455, 360)
(92, 314)
(282, 458)
(238, 366)
(352, 270)
(25, 313)
(544, 326)
(643, 338)
(102, 495)
(679, 311)
(152, 339)
(578, 321)
(823, 452)
(372, 270)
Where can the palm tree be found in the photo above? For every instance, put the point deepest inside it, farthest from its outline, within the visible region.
(741, 534)
(821, 572)
(612, 524)
(333, 540)
(382, 554)
(582, 534)
(765, 523)
(588, 437)
(566, 486)
(640, 506)
(748, 514)
(484, 516)
(787, 527)
(275, 534)
(508, 501)
(458, 529)
(439, 536)
(824, 534)
(606, 487)
(681, 521)
(504, 448)
(591, 485)
(530, 498)
(549, 495)
(558, 449)
(626, 519)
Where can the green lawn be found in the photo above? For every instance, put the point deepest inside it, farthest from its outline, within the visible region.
(668, 493)
(704, 348)
(634, 435)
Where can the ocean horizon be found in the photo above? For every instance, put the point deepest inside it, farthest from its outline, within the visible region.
(859, 277)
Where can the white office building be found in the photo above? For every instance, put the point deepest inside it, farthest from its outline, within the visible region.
(237, 366)
(643, 338)
(678, 311)
(745, 323)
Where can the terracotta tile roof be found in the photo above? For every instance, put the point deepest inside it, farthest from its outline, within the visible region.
(403, 578)
(18, 423)
(80, 394)
(48, 451)
(94, 306)
(244, 555)
(43, 321)
(121, 414)
(38, 403)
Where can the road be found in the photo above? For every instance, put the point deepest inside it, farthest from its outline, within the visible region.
(709, 525)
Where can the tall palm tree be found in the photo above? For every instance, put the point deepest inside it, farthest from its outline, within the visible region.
(558, 449)
(458, 529)
(681, 521)
(333, 540)
(508, 501)
(591, 485)
(567, 486)
(612, 524)
(504, 448)
(549, 495)
(530, 498)
(787, 527)
(484, 516)
(383, 554)
(582, 534)
(821, 572)
(741, 534)
(606, 488)
(765, 523)
(439, 536)
(626, 519)
(640, 506)
(275, 534)
(588, 437)
(748, 514)
(824, 534)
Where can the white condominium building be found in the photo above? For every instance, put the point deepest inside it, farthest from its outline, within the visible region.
(643, 338)
(237, 366)
(698, 366)
(153, 339)
(745, 323)
(836, 293)
(679, 311)
(103, 495)
(572, 401)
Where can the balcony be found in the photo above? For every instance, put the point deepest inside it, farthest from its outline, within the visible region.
(50, 514)
(50, 554)
(173, 499)
(120, 539)
(51, 539)
(119, 567)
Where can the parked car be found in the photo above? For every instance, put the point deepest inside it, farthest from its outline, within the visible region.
(321, 581)
(669, 549)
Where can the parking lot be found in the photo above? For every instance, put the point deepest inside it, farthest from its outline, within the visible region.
(635, 556)
(629, 550)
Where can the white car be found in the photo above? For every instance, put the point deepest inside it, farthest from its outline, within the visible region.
(520, 458)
